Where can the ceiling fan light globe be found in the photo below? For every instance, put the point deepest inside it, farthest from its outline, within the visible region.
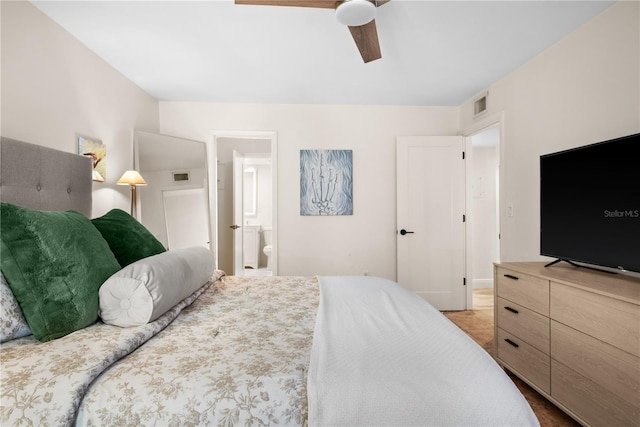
(355, 13)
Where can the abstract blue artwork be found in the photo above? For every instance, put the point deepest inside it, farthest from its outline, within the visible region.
(326, 182)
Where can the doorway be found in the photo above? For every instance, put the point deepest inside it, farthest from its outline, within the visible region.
(244, 201)
(483, 207)
(480, 213)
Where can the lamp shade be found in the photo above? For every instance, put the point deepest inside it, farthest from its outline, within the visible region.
(96, 176)
(355, 13)
(131, 178)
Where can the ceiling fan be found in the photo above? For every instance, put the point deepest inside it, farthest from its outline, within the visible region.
(358, 15)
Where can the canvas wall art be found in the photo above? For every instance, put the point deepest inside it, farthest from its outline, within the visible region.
(97, 151)
(326, 182)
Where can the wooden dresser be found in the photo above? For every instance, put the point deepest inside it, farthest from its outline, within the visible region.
(573, 334)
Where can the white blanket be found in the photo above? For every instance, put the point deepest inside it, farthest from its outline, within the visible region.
(382, 356)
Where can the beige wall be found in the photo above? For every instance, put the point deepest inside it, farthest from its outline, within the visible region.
(54, 87)
(363, 242)
(584, 89)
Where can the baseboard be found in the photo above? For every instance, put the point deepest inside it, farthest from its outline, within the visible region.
(482, 283)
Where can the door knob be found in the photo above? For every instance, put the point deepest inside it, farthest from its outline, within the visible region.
(403, 232)
(234, 227)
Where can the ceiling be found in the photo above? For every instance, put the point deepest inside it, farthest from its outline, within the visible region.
(434, 53)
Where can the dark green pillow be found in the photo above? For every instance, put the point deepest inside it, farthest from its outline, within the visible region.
(55, 263)
(129, 240)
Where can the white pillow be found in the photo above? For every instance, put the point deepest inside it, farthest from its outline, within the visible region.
(144, 290)
(12, 323)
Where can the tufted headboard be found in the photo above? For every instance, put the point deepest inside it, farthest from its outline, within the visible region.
(42, 178)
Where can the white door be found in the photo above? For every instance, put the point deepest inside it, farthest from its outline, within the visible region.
(185, 214)
(431, 233)
(238, 168)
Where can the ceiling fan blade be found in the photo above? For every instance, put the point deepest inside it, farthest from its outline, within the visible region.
(366, 38)
(323, 4)
(381, 2)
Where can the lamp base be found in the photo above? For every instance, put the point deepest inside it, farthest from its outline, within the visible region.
(134, 206)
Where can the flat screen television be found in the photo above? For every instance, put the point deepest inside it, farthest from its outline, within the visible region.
(590, 204)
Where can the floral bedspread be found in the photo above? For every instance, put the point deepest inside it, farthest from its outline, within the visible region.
(238, 354)
(43, 383)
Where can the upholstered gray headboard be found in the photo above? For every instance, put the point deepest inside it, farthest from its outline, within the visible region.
(42, 178)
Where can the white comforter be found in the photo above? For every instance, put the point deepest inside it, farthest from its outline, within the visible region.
(382, 356)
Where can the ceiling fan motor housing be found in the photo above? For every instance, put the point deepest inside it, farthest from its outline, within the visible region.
(355, 13)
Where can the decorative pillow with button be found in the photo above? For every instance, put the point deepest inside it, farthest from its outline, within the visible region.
(144, 290)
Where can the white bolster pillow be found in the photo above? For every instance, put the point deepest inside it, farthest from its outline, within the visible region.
(144, 290)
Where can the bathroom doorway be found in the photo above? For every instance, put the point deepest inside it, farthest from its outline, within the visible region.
(252, 210)
(245, 201)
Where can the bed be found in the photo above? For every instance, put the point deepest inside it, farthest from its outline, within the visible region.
(162, 338)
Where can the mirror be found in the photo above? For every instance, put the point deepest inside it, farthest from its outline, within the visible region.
(174, 205)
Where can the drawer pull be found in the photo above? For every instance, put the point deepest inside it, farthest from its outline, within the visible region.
(511, 276)
(511, 342)
(513, 310)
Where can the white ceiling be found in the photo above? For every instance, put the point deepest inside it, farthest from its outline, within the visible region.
(438, 53)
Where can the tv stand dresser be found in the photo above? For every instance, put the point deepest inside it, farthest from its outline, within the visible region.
(572, 334)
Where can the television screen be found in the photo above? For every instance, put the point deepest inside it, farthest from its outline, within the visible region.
(590, 204)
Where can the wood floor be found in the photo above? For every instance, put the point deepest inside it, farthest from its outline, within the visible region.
(478, 324)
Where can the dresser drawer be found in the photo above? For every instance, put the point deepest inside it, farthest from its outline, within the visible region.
(610, 367)
(526, 360)
(529, 326)
(528, 291)
(610, 320)
(594, 404)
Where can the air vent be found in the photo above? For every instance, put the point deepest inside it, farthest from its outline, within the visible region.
(480, 105)
(182, 176)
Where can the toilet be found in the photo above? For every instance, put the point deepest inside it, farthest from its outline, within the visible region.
(266, 233)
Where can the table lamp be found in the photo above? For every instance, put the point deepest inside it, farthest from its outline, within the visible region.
(133, 179)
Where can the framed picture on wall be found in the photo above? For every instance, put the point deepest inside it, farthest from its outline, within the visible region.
(326, 182)
(97, 151)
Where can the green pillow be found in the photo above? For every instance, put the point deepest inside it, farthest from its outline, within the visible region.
(129, 240)
(55, 263)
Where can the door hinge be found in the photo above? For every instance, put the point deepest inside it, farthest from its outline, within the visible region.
(464, 218)
(463, 155)
(464, 281)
